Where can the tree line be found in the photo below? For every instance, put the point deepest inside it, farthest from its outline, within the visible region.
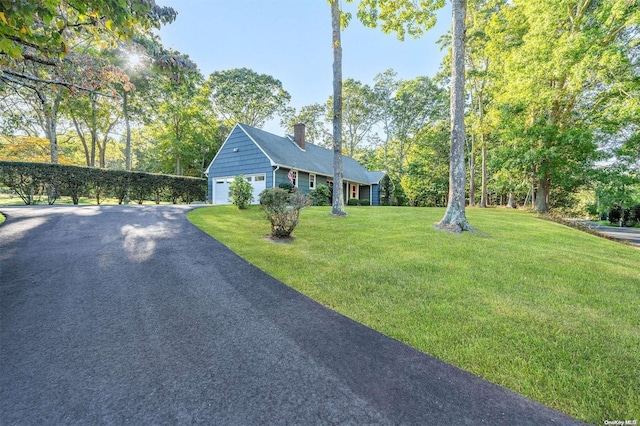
(550, 101)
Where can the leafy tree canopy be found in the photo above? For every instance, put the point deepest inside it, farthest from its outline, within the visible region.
(43, 33)
(400, 17)
(242, 95)
(314, 117)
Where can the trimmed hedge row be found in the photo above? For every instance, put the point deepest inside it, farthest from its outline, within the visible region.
(35, 181)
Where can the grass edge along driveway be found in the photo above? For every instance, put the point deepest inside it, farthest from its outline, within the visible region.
(542, 309)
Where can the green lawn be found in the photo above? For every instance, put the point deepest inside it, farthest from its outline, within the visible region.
(542, 309)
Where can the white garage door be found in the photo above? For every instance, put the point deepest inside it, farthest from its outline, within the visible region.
(221, 188)
(259, 183)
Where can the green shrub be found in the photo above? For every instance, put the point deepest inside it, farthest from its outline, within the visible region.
(74, 181)
(120, 182)
(365, 202)
(321, 196)
(287, 186)
(141, 187)
(27, 182)
(33, 180)
(192, 189)
(282, 209)
(353, 202)
(100, 184)
(240, 192)
(387, 189)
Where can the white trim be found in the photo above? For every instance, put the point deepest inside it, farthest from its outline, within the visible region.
(273, 182)
(289, 166)
(295, 143)
(315, 179)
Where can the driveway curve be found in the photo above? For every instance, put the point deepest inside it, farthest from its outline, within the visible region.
(132, 315)
(628, 235)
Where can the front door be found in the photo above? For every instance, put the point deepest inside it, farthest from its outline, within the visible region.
(353, 192)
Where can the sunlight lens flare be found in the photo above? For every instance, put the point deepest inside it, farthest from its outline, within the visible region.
(135, 60)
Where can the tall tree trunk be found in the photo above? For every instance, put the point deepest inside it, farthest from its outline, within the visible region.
(386, 152)
(83, 140)
(401, 152)
(52, 135)
(127, 148)
(533, 192)
(102, 152)
(93, 129)
(455, 219)
(542, 195)
(472, 172)
(51, 125)
(484, 201)
(338, 202)
(102, 145)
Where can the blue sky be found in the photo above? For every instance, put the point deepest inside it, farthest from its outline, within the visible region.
(291, 41)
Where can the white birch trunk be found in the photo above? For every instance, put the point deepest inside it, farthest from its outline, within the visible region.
(455, 219)
(338, 201)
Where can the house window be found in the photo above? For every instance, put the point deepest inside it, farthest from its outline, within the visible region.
(312, 181)
(258, 178)
(293, 177)
(329, 183)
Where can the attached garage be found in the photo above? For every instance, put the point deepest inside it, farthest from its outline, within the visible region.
(267, 161)
(221, 187)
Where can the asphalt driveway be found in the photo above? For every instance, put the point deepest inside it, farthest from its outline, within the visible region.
(132, 315)
(629, 235)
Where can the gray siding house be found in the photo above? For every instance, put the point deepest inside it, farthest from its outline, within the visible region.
(267, 160)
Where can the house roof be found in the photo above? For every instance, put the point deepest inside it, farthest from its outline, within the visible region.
(285, 152)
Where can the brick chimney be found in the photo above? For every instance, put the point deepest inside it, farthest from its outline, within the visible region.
(299, 134)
